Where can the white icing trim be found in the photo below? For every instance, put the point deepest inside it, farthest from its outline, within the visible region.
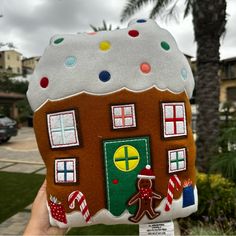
(146, 177)
(108, 93)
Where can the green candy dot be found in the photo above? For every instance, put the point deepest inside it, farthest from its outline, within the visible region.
(59, 40)
(165, 45)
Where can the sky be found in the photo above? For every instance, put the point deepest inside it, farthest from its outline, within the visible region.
(29, 24)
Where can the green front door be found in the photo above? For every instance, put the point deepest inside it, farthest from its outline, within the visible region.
(124, 159)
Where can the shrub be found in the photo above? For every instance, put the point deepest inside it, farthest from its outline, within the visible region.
(212, 229)
(225, 163)
(216, 204)
(217, 199)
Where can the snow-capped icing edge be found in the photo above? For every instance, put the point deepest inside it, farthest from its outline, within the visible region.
(75, 219)
(109, 93)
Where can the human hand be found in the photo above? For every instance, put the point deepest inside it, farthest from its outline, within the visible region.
(39, 220)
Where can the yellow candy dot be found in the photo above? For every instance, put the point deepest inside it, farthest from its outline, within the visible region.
(105, 45)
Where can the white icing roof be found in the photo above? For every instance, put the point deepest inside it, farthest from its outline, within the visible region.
(108, 61)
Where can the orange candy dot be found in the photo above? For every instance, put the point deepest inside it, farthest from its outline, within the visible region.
(145, 68)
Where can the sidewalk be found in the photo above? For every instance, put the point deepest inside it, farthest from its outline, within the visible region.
(16, 224)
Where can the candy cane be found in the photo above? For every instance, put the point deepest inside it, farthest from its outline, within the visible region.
(174, 182)
(77, 195)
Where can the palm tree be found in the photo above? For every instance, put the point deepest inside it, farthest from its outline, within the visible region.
(209, 20)
(104, 27)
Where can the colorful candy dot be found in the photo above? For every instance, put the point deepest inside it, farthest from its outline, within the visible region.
(184, 74)
(104, 76)
(92, 33)
(44, 82)
(141, 21)
(104, 45)
(70, 61)
(165, 45)
(145, 68)
(133, 33)
(59, 40)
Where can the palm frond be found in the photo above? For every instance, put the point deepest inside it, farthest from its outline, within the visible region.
(225, 164)
(104, 27)
(94, 28)
(171, 13)
(159, 8)
(188, 8)
(132, 7)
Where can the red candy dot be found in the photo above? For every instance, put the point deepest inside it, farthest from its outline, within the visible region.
(145, 68)
(115, 181)
(92, 33)
(44, 82)
(133, 33)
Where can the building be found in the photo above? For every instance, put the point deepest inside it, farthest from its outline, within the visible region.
(228, 80)
(10, 100)
(28, 64)
(227, 76)
(10, 61)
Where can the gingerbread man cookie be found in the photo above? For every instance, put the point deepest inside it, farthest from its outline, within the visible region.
(145, 196)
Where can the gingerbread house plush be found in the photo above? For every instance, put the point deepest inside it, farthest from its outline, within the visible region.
(112, 120)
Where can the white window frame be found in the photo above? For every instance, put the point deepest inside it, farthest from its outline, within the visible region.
(62, 129)
(184, 159)
(66, 171)
(123, 116)
(173, 121)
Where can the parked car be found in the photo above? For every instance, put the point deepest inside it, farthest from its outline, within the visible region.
(8, 128)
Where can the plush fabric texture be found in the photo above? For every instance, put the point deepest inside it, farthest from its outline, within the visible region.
(113, 125)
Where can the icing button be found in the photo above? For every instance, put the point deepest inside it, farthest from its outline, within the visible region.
(165, 45)
(141, 21)
(133, 33)
(44, 82)
(59, 40)
(104, 76)
(184, 74)
(145, 68)
(70, 61)
(92, 33)
(104, 45)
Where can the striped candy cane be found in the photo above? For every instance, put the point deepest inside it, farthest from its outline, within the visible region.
(174, 182)
(78, 196)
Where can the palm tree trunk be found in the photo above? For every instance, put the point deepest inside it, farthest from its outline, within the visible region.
(207, 98)
(209, 19)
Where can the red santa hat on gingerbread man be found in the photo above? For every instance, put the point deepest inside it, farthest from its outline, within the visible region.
(146, 173)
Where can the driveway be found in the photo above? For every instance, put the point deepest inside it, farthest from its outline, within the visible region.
(21, 153)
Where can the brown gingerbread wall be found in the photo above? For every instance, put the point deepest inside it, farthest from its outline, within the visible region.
(95, 125)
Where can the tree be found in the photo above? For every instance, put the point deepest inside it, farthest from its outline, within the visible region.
(209, 20)
(225, 161)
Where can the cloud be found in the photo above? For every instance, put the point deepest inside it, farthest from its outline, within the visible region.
(30, 24)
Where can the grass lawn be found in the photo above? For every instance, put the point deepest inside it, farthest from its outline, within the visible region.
(18, 190)
(106, 230)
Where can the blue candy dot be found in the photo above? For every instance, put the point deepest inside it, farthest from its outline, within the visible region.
(104, 76)
(141, 21)
(70, 61)
(184, 74)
